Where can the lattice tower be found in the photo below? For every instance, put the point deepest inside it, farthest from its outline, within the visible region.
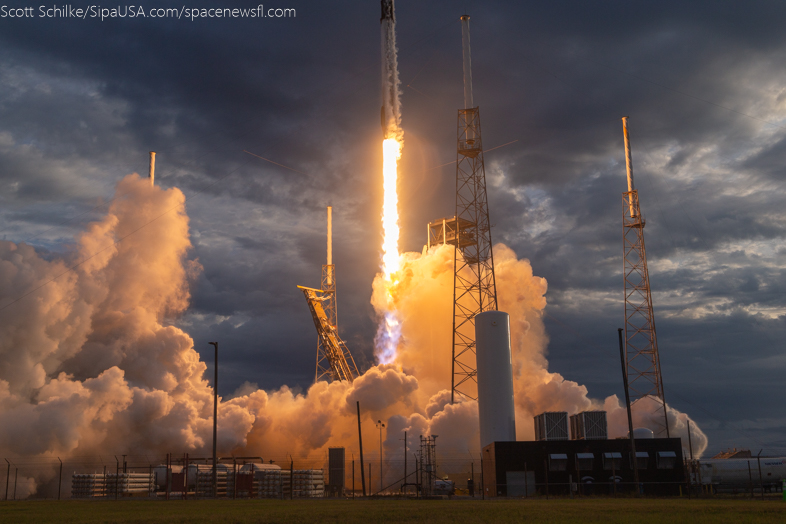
(641, 341)
(428, 464)
(334, 361)
(474, 284)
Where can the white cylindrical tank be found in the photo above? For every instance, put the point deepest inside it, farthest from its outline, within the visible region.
(257, 466)
(743, 474)
(495, 378)
(640, 433)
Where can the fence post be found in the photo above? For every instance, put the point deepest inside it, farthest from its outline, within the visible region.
(117, 476)
(482, 483)
(761, 482)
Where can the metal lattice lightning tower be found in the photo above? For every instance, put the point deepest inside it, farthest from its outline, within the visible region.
(474, 285)
(641, 342)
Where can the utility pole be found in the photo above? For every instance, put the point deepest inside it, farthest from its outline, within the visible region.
(405, 458)
(215, 419)
(630, 417)
(690, 469)
(7, 478)
(60, 479)
(380, 425)
(360, 440)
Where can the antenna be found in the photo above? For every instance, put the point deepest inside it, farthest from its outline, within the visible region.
(628, 161)
(468, 102)
(152, 171)
(330, 245)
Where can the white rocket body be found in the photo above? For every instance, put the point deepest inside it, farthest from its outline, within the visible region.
(390, 112)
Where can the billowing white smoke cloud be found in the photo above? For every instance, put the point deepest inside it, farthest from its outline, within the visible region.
(89, 363)
(424, 299)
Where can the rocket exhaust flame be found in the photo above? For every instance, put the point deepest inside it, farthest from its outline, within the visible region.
(389, 331)
(391, 150)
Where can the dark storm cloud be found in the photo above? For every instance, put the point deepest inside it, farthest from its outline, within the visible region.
(82, 102)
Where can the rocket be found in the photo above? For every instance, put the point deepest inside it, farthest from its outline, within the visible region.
(389, 112)
(387, 11)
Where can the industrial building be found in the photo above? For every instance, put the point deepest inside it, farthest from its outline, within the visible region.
(588, 467)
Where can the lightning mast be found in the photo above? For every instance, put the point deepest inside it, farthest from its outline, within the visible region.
(474, 284)
(334, 361)
(641, 342)
(152, 168)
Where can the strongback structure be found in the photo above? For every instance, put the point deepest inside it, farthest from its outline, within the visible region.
(329, 304)
(334, 361)
(641, 342)
(474, 285)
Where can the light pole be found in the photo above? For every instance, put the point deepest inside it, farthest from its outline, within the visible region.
(380, 425)
(215, 419)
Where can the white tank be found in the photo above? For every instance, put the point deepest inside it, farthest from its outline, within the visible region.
(741, 474)
(495, 378)
(257, 466)
(640, 433)
(160, 473)
(191, 474)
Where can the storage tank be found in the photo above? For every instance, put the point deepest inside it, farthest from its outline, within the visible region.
(639, 433)
(160, 473)
(741, 474)
(495, 378)
(194, 468)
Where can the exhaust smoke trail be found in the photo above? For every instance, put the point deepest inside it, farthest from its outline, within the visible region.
(389, 332)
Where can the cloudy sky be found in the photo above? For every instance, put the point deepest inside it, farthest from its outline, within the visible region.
(83, 101)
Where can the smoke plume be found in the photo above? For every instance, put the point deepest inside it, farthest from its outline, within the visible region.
(90, 363)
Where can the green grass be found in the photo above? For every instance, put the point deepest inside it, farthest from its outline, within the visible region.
(365, 511)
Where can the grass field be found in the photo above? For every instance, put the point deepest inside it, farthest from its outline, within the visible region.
(348, 511)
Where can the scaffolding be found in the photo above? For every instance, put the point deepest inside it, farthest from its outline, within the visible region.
(324, 368)
(428, 464)
(641, 342)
